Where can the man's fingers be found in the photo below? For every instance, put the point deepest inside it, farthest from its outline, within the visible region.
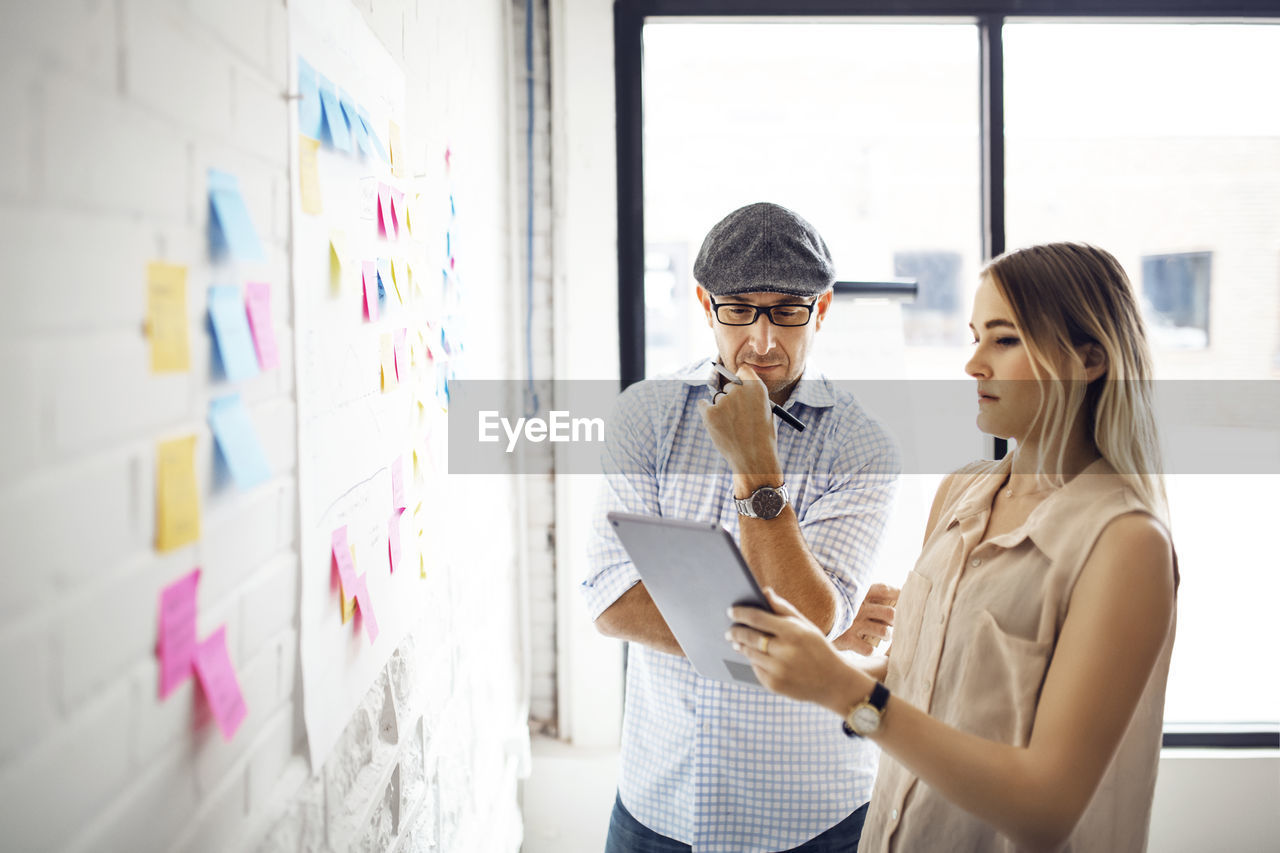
(876, 613)
(754, 617)
(882, 593)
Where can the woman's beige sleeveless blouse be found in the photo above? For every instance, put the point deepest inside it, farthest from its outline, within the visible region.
(975, 630)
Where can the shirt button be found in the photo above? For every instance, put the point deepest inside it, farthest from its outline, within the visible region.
(975, 562)
(928, 685)
(893, 815)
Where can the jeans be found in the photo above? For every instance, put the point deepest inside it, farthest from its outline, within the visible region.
(628, 835)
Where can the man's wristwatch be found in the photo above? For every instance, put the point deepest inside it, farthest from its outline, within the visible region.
(764, 502)
(865, 717)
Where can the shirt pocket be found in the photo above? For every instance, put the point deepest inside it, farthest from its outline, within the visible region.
(1002, 675)
(907, 623)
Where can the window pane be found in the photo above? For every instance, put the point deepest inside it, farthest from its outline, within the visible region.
(1154, 142)
(868, 130)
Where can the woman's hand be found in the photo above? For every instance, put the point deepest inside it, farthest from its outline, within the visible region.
(790, 655)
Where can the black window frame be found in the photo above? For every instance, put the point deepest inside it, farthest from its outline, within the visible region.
(989, 16)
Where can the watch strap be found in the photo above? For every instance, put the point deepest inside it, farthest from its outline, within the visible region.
(744, 504)
(878, 699)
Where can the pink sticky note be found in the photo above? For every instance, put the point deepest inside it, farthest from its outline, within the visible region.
(397, 484)
(257, 300)
(393, 540)
(364, 607)
(218, 679)
(402, 358)
(386, 215)
(370, 286)
(341, 552)
(397, 208)
(176, 643)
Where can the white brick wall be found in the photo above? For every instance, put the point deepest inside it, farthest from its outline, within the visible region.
(115, 110)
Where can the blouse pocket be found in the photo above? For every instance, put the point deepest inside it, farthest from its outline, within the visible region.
(1002, 677)
(907, 623)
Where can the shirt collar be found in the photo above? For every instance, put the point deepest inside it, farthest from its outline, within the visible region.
(1043, 526)
(813, 390)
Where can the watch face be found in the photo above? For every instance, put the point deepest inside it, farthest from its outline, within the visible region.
(767, 502)
(865, 720)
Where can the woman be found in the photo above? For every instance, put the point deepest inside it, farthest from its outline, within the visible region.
(1025, 684)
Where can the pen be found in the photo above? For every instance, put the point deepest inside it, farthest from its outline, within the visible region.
(787, 418)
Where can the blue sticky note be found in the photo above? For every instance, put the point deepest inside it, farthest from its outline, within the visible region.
(310, 119)
(231, 332)
(238, 442)
(357, 126)
(334, 121)
(373, 134)
(384, 275)
(231, 229)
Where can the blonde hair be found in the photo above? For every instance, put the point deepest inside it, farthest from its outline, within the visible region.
(1064, 295)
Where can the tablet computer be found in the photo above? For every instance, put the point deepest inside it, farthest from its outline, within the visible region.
(694, 572)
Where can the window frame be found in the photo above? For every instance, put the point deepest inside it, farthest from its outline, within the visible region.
(989, 16)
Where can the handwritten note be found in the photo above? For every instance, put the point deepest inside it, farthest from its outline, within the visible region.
(310, 120)
(230, 321)
(232, 229)
(369, 283)
(386, 217)
(397, 279)
(397, 484)
(177, 498)
(365, 603)
(397, 151)
(167, 317)
(344, 566)
(309, 175)
(357, 126)
(393, 539)
(238, 442)
(337, 259)
(335, 123)
(388, 358)
(373, 134)
(257, 300)
(176, 639)
(384, 276)
(402, 359)
(218, 679)
(397, 207)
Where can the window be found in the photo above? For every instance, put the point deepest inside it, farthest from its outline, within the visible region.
(920, 147)
(1175, 296)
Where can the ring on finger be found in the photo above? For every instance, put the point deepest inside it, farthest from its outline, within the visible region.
(764, 645)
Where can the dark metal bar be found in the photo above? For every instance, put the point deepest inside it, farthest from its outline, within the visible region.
(903, 288)
(1223, 740)
(628, 30)
(968, 8)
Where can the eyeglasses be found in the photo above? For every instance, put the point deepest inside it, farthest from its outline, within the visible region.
(741, 314)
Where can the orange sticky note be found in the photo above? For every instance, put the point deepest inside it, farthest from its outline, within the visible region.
(388, 362)
(309, 175)
(167, 317)
(397, 151)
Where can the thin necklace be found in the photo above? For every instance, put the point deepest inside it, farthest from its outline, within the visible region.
(1008, 493)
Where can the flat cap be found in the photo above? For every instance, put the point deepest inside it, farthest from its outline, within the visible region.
(764, 247)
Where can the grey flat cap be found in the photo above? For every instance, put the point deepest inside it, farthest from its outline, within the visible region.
(764, 247)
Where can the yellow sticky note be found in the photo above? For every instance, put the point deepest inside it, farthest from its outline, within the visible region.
(388, 362)
(177, 500)
(337, 258)
(398, 273)
(411, 212)
(167, 317)
(397, 151)
(348, 604)
(309, 174)
(422, 565)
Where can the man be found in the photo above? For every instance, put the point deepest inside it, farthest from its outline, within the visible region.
(708, 765)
